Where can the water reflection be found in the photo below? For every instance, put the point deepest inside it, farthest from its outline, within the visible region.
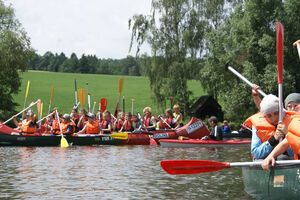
(114, 172)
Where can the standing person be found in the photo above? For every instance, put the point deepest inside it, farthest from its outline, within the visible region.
(106, 125)
(216, 131)
(266, 130)
(177, 115)
(128, 125)
(92, 126)
(149, 121)
(226, 129)
(28, 125)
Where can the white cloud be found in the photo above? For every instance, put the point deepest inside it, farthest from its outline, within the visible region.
(82, 26)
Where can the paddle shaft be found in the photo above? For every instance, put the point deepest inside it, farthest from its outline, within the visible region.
(123, 104)
(245, 80)
(26, 95)
(94, 107)
(76, 100)
(258, 163)
(51, 97)
(298, 48)
(57, 116)
(21, 112)
(165, 122)
(45, 117)
(87, 91)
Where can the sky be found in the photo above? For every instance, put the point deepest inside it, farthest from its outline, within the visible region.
(92, 27)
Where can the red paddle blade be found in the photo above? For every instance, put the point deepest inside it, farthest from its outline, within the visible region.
(103, 104)
(279, 48)
(192, 166)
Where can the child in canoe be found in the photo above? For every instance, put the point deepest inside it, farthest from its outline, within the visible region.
(106, 125)
(177, 115)
(128, 125)
(117, 125)
(92, 126)
(82, 118)
(168, 122)
(266, 130)
(28, 125)
(148, 121)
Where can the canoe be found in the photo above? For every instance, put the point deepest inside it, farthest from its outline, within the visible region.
(88, 140)
(204, 143)
(278, 183)
(194, 129)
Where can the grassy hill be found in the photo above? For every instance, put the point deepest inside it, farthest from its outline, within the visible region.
(99, 86)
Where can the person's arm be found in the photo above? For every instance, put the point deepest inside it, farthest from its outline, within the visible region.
(256, 98)
(69, 130)
(108, 129)
(82, 130)
(179, 117)
(175, 122)
(15, 121)
(122, 127)
(279, 149)
(261, 150)
(153, 123)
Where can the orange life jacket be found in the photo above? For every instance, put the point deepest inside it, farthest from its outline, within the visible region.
(265, 130)
(64, 127)
(26, 129)
(92, 128)
(55, 127)
(293, 136)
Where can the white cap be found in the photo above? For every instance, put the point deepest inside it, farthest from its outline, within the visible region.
(67, 116)
(269, 104)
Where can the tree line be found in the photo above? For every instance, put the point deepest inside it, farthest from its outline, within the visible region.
(86, 64)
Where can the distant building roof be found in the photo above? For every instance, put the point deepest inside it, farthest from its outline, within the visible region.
(205, 107)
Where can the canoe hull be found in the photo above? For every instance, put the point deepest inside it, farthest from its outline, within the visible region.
(278, 183)
(19, 140)
(204, 143)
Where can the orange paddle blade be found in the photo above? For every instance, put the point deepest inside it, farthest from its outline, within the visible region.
(81, 95)
(103, 104)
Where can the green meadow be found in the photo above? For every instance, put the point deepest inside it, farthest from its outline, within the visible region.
(99, 86)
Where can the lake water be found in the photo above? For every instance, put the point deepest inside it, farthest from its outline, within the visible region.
(116, 172)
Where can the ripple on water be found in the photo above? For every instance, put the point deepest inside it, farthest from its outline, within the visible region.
(115, 172)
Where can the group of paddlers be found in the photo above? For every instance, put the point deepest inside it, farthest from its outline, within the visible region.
(82, 122)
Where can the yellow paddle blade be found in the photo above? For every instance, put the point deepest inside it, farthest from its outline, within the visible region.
(81, 95)
(41, 114)
(120, 85)
(27, 89)
(132, 100)
(120, 136)
(63, 142)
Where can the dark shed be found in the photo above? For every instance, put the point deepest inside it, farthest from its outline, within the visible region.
(205, 107)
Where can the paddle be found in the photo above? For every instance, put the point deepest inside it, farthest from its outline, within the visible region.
(103, 104)
(227, 67)
(88, 96)
(165, 122)
(132, 102)
(51, 97)
(41, 115)
(120, 91)
(176, 167)
(81, 95)
(22, 111)
(94, 106)
(26, 95)
(297, 43)
(124, 104)
(120, 136)
(45, 117)
(279, 48)
(63, 142)
(76, 102)
(39, 110)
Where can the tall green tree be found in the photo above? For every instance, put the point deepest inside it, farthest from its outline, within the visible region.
(248, 39)
(175, 32)
(15, 53)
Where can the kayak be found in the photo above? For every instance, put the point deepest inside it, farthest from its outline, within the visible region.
(278, 183)
(54, 140)
(204, 143)
(194, 129)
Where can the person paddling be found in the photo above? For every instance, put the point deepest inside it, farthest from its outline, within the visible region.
(92, 126)
(75, 118)
(149, 121)
(226, 128)
(129, 124)
(266, 130)
(82, 118)
(67, 125)
(106, 125)
(28, 125)
(117, 125)
(169, 121)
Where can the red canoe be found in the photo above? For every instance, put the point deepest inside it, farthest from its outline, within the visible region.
(204, 143)
(195, 129)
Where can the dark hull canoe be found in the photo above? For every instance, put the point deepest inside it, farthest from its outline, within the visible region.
(278, 183)
(19, 140)
(204, 143)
